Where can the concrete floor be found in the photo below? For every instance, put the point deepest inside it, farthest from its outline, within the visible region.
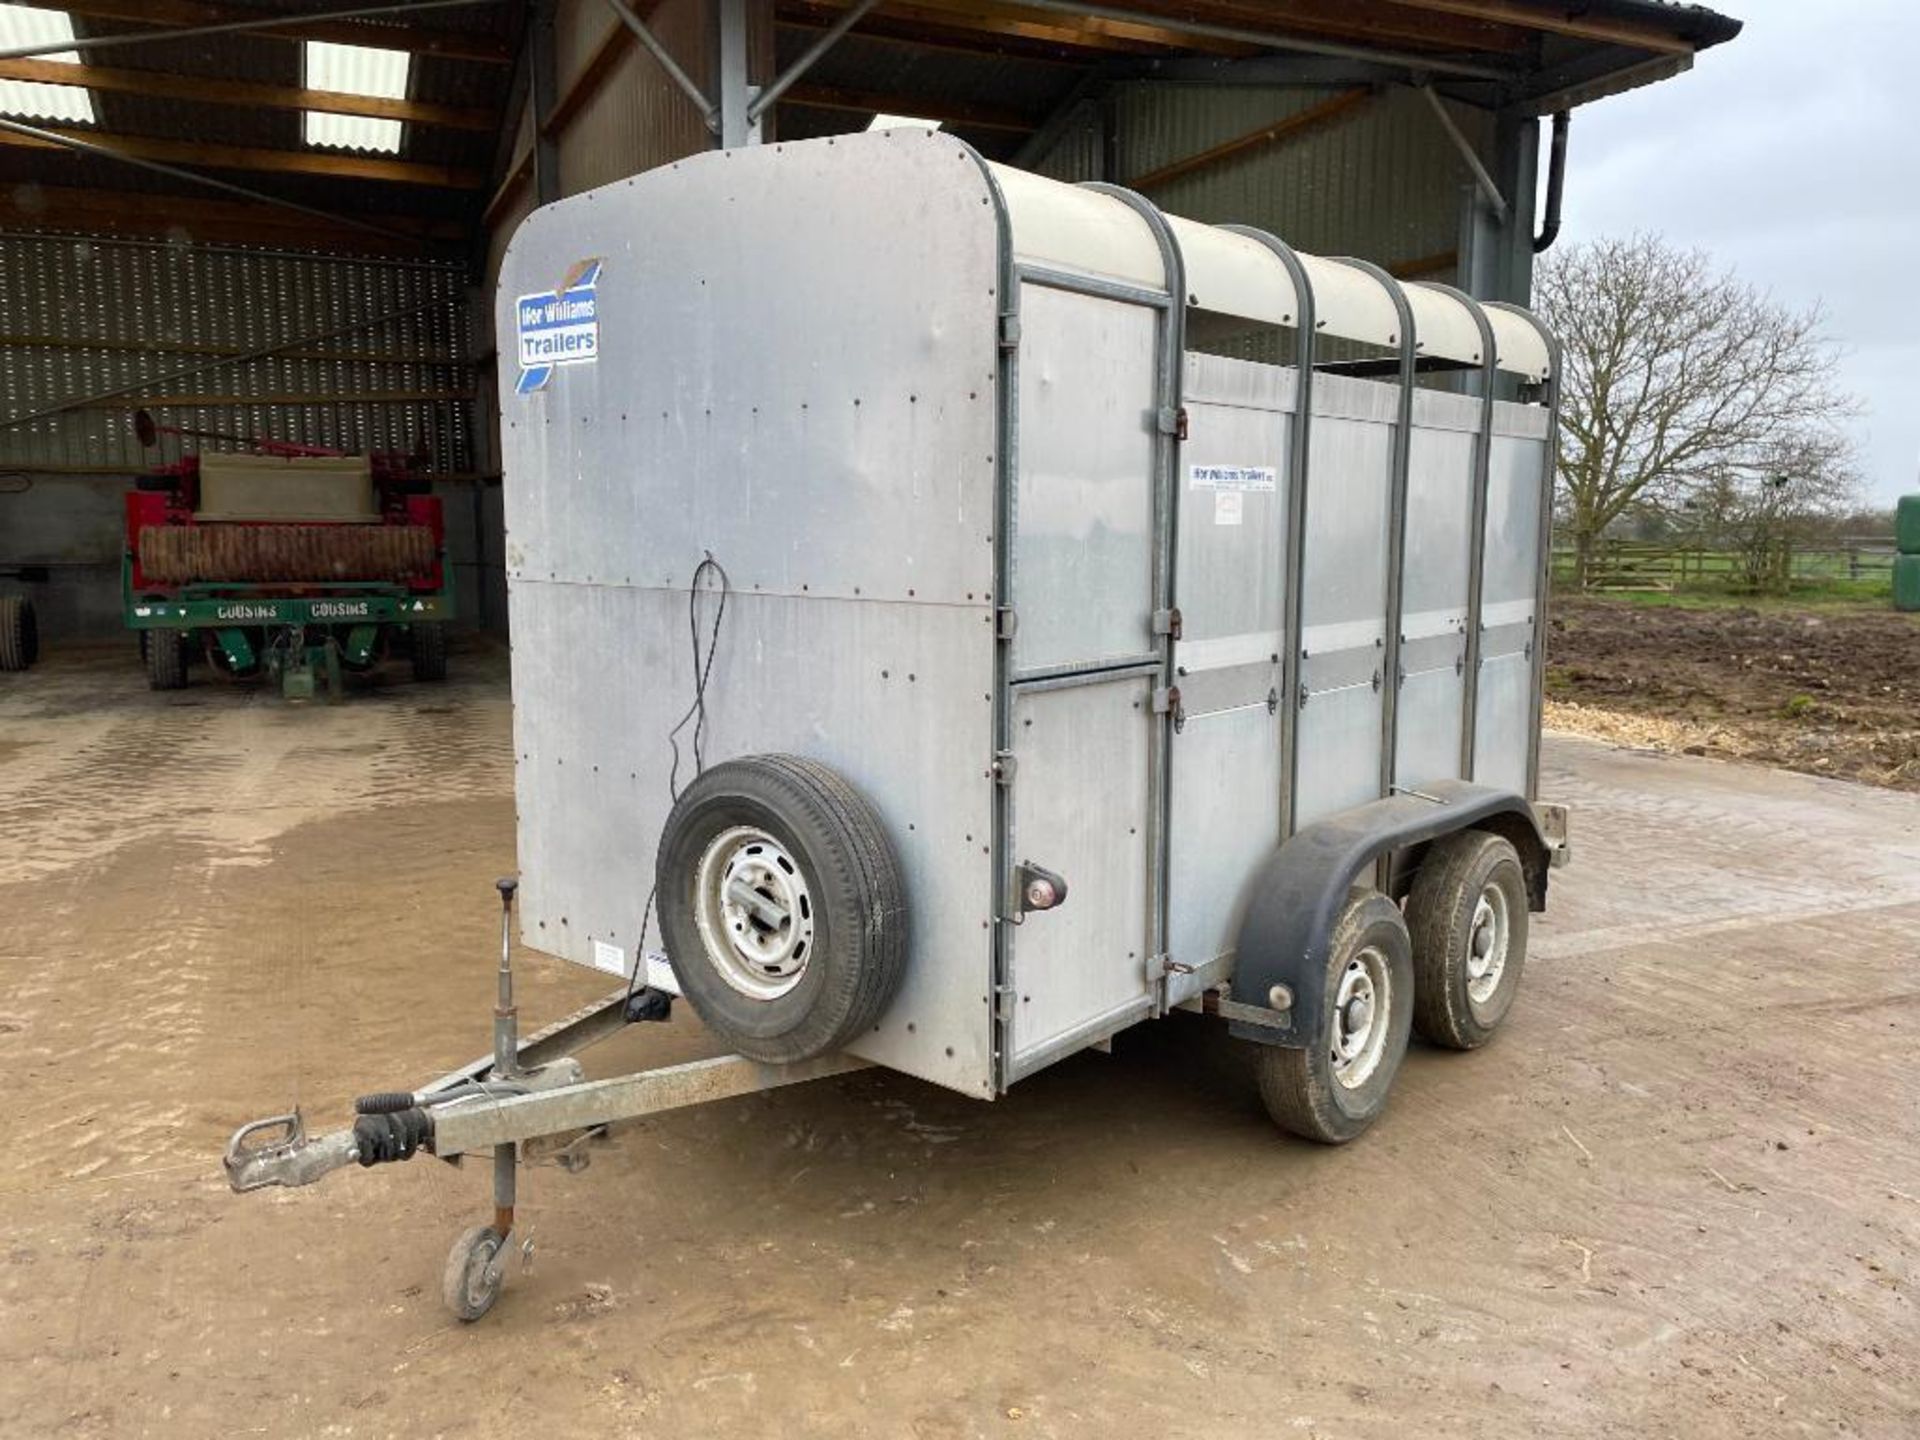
(1680, 1196)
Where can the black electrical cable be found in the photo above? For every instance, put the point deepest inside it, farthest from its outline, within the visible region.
(697, 711)
(708, 569)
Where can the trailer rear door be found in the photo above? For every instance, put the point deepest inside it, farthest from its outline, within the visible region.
(1084, 656)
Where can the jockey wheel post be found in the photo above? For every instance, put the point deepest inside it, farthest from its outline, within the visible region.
(477, 1264)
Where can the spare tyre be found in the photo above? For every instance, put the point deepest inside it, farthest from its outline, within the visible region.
(781, 906)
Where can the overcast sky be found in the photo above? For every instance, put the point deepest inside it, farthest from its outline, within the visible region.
(1791, 154)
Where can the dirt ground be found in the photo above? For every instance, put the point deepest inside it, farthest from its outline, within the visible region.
(1679, 1196)
(1830, 691)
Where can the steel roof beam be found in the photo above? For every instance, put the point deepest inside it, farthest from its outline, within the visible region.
(88, 147)
(783, 82)
(1495, 200)
(227, 27)
(213, 90)
(1267, 39)
(709, 112)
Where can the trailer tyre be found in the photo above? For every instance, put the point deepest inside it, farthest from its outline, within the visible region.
(19, 633)
(1468, 915)
(1335, 1087)
(166, 660)
(781, 906)
(429, 652)
(471, 1282)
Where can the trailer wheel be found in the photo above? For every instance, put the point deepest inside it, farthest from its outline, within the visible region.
(1335, 1087)
(429, 651)
(19, 633)
(471, 1282)
(1468, 915)
(781, 906)
(166, 660)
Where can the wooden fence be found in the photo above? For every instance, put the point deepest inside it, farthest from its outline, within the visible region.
(1647, 566)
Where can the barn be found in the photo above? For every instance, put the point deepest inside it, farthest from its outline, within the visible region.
(283, 221)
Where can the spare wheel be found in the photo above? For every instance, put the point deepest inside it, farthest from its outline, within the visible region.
(781, 906)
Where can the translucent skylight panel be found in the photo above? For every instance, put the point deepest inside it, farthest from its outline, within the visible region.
(23, 25)
(354, 70)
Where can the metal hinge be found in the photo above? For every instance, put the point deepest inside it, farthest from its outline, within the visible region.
(1161, 966)
(1167, 622)
(1009, 332)
(1003, 1002)
(1005, 622)
(1167, 701)
(1003, 767)
(1173, 422)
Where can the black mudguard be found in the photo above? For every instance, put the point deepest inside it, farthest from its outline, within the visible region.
(1297, 897)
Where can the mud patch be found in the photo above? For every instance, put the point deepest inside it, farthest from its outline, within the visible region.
(1829, 692)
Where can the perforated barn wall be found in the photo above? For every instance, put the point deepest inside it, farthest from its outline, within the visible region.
(82, 316)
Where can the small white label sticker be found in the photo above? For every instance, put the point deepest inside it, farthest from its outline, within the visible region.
(1232, 477)
(610, 958)
(660, 974)
(1228, 506)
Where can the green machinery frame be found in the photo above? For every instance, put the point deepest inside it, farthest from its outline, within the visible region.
(231, 609)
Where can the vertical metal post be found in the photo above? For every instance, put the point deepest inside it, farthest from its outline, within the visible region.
(1006, 451)
(506, 1059)
(1496, 254)
(506, 1016)
(1293, 586)
(1549, 464)
(732, 93)
(1477, 532)
(544, 84)
(1396, 525)
(1172, 377)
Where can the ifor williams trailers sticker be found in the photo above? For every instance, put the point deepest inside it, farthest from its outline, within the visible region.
(558, 327)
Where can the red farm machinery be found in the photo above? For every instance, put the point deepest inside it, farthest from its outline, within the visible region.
(291, 561)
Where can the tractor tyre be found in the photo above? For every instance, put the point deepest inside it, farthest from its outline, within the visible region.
(429, 651)
(166, 660)
(19, 633)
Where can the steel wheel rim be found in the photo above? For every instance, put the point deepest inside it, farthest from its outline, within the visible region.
(754, 912)
(1362, 1005)
(474, 1282)
(1489, 938)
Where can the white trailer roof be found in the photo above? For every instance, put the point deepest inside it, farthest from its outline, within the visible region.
(1074, 228)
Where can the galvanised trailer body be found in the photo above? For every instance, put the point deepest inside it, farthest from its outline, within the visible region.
(971, 615)
(1009, 550)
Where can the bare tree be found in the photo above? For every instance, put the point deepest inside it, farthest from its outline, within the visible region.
(1760, 511)
(1682, 384)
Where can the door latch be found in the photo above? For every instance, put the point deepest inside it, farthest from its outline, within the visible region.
(1040, 888)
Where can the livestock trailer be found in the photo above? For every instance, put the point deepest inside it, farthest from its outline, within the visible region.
(973, 615)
